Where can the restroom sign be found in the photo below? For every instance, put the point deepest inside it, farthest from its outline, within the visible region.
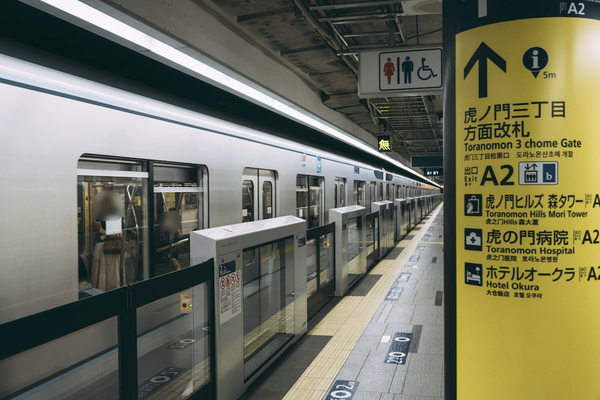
(406, 71)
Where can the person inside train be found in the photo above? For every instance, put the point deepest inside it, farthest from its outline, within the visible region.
(85, 288)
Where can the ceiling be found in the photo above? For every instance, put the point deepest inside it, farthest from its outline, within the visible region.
(322, 38)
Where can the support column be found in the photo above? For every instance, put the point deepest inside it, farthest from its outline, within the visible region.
(523, 199)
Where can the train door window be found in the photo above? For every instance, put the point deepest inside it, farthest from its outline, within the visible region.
(309, 199)
(267, 200)
(258, 194)
(112, 194)
(380, 197)
(359, 193)
(178, 210)
(340, 192)
(372, 195)
(316, 214)
(335, 195)
(247, 201)
(302, 196)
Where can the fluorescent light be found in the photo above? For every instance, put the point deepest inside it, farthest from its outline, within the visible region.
(124, 31)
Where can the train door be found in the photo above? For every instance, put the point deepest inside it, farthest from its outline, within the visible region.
(112, 211)
(340, 192)
(258, 194)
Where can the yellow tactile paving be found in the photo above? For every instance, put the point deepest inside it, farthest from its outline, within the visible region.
(348, 320)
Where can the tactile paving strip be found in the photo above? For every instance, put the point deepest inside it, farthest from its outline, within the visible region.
(348, 320)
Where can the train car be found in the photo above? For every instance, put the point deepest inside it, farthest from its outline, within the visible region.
(93, 177)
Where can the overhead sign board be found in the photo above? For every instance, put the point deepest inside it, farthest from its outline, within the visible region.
(384, 143)
(389, 72)
(527, 200)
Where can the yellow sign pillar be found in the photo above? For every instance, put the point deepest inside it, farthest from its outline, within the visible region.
(527, 148)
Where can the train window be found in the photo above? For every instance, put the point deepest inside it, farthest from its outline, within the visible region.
(359, 193)
(387, 191)
(372, 195)
(301, 197)
(309, 199)
(267, 200)
(247, 201)
(255, 205)
(114, 209)
(316, 216)
(340, 192)
(178, 205)
(380, 197)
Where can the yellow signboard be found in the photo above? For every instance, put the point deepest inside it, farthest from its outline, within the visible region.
(528, 209)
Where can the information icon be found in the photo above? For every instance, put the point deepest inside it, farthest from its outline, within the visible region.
(473, 205)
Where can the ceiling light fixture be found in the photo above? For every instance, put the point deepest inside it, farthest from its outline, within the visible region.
(112, 25)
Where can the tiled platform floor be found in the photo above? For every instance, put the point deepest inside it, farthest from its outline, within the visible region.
(347, 341)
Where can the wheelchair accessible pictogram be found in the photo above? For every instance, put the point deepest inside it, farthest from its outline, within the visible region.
(425, 72)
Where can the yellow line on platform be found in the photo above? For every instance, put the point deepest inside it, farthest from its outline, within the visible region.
(348, 320)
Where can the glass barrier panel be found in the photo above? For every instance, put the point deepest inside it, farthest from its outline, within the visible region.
(82, 365)
(174, 345)
(357, 261)
(327, 266)
(269, 321)
(312, 266)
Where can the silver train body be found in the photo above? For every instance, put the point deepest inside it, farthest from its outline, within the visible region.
(57, 127)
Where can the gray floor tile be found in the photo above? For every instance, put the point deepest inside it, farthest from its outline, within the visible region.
(375, 380)
(376, 360)
(398, 381)
(362, 395)
(424, 315)
(423, 384)
(429, 363)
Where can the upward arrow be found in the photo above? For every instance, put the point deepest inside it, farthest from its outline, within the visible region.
(482, 55)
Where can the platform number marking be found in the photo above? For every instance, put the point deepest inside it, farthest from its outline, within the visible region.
(152, 385)
(342, 390)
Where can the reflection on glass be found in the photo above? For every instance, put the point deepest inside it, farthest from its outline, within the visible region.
(69, 368)
(311, 268)
(177, 214)
(247, 201)
(359, 193)
(113, 228)
(174, 362)
(327, 265)
(268, 302)
(301, 197)
(357, 261)
(315, 217)
(267, 200)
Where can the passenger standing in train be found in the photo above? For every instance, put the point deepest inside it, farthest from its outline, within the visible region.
(85, 288)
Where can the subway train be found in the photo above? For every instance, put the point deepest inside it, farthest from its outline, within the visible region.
(73, 151)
